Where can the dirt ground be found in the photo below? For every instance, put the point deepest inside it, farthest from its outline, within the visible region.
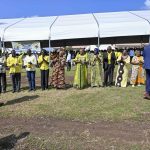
(39, 133)
(121, 132)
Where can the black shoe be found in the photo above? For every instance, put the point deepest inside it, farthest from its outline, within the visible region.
(13, 91)
(18, 90)
(29, 90)
(4, 91)
(34, 89)
(1, 104)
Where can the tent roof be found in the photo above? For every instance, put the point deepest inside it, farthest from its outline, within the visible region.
(84, 26)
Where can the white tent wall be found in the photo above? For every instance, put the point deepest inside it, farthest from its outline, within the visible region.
(37, 28)
(74, 27)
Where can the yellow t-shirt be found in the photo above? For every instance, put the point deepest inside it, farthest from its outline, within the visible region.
(109, 58)
(43, 65)
(15, 64)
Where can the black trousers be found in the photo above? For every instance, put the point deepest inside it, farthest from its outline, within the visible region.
(3, 82)
(108, 75)
(68, 66)
(44, 79)
(16, 81)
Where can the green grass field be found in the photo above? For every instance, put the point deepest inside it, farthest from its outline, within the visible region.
(90, 105)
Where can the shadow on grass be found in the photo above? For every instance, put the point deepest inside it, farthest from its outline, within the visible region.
(10, 141)
(20, 100)
(26, 88)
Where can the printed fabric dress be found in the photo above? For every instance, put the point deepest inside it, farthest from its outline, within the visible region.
(96, 70)
(137, 76)
(58, 74)
(54, 64)
(61, 72)
(122, 72)
(81, 73)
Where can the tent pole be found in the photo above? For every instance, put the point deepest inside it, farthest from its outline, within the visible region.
(98, 29)
(50, 37)
(3, 42)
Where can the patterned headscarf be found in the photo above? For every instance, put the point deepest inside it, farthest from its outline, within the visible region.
(96, 51)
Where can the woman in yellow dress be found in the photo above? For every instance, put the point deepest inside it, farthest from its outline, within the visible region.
(96, 69)
(81, 73)
(137, 76)
(122, 72)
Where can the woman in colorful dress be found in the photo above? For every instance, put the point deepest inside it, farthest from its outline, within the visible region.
(122, 72)
(54, 60)
(61, 69)
(96, 69)
(81, 73)
(58, 62)
(137, 76)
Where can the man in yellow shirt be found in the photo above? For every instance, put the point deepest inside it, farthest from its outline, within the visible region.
(109, 60)
(15, 65)
(43, 62)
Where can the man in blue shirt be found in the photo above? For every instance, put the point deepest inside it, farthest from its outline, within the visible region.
(146, 55)
(131, 54)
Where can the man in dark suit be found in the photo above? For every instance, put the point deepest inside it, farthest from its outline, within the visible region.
(146, 55)
(109, 60)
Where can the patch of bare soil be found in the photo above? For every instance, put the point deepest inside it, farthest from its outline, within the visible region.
(122, 132)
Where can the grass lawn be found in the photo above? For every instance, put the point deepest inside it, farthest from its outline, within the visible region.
(88, 106)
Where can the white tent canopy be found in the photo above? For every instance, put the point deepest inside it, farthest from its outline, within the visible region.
(74, 26)
(115, 24)
(30, 29)
(122, 24)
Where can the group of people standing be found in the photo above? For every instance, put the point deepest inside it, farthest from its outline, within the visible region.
(30, 62)
(106, 63)
(99, 64)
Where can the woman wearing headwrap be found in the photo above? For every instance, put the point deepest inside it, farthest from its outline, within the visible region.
(95, 62)
(54, 61)
(81, 79)
(122, 72)
(61, 69)
(58, 63)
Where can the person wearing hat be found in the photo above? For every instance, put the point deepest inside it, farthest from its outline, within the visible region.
(109, 60)
(43, 62)
(30, 63)
(15, 65)
(95, 62)
(2, 72)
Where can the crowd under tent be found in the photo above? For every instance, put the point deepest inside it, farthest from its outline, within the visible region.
(82, 29)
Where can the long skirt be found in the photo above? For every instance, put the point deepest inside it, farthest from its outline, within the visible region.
(96, 80)
(80, 79)
(137, 76)
(122, 76)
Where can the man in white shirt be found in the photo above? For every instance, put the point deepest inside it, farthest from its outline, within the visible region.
(68, 60)
(30, 63)
(2, 72)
